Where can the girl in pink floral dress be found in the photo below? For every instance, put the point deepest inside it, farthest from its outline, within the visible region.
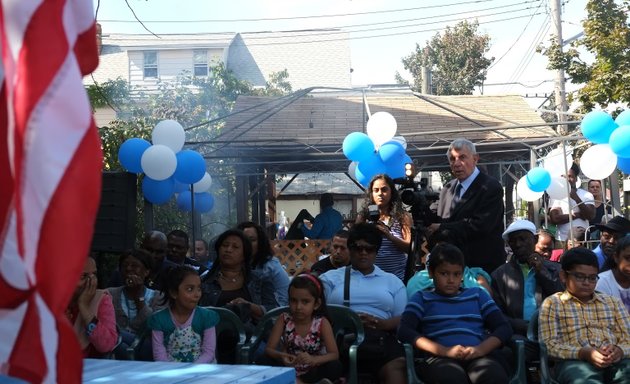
(303, 338)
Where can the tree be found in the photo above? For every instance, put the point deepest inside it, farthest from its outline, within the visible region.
(607, 38)
(455, 57)
(193, 102)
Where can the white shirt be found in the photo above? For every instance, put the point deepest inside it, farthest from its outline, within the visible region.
(562, 233)
(608, 284)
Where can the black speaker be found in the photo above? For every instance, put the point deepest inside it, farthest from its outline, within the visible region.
(115, 227)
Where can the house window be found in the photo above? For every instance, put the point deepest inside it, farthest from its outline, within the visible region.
(200, 62)
(150, 64)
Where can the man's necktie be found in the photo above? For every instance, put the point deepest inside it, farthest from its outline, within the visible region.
(456, 195)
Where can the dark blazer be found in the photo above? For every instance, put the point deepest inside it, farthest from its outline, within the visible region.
(508, 290)
(476, 220)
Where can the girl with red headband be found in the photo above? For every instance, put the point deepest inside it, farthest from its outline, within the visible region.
(303, 338)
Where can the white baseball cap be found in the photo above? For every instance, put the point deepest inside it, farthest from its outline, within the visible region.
(519, 225)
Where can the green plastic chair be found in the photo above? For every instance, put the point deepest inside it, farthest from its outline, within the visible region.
(230, 322)
(262, 328)
(532, 335)
(345, 322)
(519, 377)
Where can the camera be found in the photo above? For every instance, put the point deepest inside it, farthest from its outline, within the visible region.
(418, 197)
(373, 214)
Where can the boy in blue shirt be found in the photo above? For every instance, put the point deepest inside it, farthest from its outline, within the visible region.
(459, 330)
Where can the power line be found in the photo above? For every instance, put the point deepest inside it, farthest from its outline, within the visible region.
(526, 59)
(517, 39)
(386, 34)
(311, 36)
(304, 17)
(338, 29)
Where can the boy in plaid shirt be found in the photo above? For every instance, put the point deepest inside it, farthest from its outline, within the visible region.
(586, 332)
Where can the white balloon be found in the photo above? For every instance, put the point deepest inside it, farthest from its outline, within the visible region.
(169, 133)
(158, 162)
(204, 184)
(554, 161)
(524, 192)
(352, 168)
(381, 127)
(400, 140)
(598, 162)
(557, 189)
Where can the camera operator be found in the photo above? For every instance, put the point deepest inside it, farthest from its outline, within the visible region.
(383, 207)
(471, 207)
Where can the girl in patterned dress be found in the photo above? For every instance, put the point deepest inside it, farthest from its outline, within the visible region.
(184, 331)
(303, 338)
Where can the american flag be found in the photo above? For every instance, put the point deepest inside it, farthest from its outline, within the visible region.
(50, 182)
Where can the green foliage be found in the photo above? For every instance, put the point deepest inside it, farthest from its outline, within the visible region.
(456, 58)
(606, 37)
(193, 102)
(111, 93)
(278, 85)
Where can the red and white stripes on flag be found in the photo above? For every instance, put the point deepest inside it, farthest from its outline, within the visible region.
(50, 182)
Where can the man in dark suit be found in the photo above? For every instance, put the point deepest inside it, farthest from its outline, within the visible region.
(471, 207)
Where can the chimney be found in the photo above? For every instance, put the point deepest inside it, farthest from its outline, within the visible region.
(99, 37)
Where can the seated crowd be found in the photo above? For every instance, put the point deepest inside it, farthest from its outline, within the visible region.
(462, 322)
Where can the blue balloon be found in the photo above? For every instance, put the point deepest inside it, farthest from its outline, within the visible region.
(361, 178)
(357, 146)
(158, 192)
(538, 179)
(597, 126)
(130, 153)
(372, 166)
(203, 202)
(180, 187)
(184, 201)
(190, 167)
(391, 152)
(620, 141)
(623, 164)
(623, 118)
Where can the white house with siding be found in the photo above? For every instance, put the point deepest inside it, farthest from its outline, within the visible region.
(311, 57)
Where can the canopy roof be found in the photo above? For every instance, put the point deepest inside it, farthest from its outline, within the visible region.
(304, 131)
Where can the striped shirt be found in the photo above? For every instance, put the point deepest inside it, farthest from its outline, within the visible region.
(463, 319)
(389, 258)
(566, 324)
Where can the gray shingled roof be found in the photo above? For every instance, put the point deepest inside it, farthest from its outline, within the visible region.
(277, 132)
(164, 41)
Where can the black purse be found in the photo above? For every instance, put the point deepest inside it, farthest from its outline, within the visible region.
(373, 345)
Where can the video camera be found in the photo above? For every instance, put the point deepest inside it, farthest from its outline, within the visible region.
(418, 197)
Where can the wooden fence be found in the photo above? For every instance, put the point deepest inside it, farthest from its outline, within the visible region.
(299, 255)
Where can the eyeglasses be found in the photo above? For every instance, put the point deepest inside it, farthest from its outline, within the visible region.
(580, 277)
(363, 248)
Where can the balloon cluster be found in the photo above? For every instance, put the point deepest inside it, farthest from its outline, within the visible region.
(610, 150)
(377, 152)
(168, 170)
(611, 139)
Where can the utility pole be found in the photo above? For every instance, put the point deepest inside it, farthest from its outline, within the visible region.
(426, 75)
(560, 93)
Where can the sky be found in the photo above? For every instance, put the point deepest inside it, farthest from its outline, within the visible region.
(382, 32)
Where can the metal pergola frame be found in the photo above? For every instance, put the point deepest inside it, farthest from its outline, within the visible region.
(257, 160)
